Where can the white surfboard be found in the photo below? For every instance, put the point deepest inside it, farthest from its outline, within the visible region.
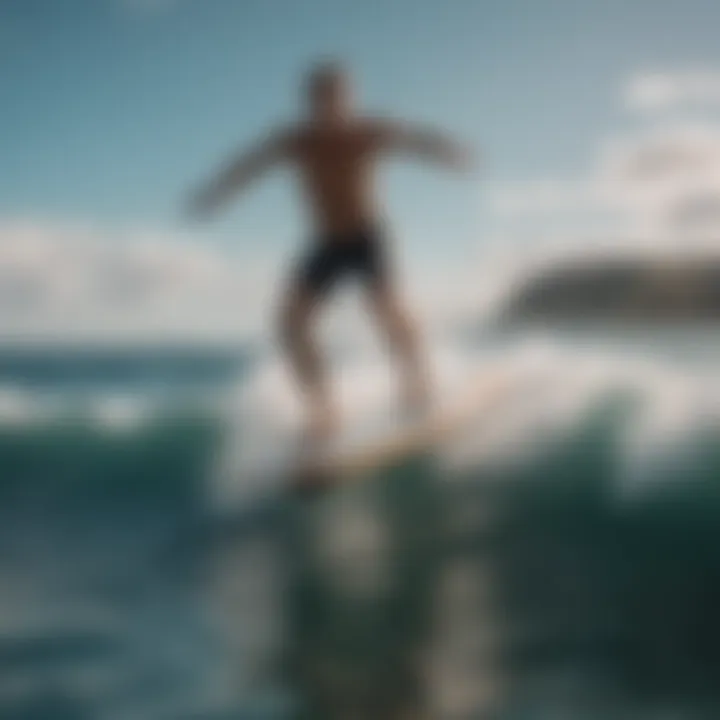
(380, 445)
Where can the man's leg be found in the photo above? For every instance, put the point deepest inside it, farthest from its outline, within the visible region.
(296, 331)
(403, 338)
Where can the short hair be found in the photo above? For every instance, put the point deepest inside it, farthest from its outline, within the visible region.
(325, 74)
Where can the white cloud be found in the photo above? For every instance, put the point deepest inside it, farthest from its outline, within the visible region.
(661, 91)
(659, 180)
(659, 174)
(79, 282)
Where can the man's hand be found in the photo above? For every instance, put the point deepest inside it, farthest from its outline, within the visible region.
(199, 206)
(237, 175)
(462, 159)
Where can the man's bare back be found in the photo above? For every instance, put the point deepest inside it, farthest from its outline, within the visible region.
(336, 168)
(336, 163)
(335, 154)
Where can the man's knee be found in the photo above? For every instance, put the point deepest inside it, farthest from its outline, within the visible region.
(394, 317)
(294, 322)
(288, 325)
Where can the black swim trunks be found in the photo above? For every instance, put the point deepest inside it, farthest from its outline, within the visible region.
(360, 254)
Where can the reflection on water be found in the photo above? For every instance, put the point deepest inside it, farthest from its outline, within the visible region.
(525, 594)
(526, 589)
(389, 610)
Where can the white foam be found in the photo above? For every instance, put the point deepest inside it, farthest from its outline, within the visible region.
(555, 387)
(267, 415)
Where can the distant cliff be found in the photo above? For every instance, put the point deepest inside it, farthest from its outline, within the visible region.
(621, 289)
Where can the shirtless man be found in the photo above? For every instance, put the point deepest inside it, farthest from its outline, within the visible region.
(336, 152)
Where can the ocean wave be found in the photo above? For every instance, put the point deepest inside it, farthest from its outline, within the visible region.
(586, 501)
(104, 454)
(666, 420)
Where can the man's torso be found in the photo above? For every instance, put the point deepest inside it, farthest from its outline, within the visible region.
(336, 168)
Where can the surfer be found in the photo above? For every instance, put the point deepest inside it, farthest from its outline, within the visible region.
(335, 152)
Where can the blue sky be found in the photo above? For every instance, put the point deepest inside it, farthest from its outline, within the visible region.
(111, 109)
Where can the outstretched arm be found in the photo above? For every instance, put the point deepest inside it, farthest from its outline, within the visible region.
(239, 173)
(423, 142)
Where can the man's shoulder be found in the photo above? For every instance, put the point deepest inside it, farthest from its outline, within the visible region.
(300, 136)
(372, 125)
(360, 124)
(378, 130)
(288, 135)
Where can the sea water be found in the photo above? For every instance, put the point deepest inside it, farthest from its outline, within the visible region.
(560, 559)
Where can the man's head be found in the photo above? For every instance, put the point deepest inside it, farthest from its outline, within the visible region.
(329, 92)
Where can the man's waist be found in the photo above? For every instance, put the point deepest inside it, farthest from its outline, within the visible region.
(356, 231)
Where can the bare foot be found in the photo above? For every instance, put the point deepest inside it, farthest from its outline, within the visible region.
(323, 424)
(416, 399)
